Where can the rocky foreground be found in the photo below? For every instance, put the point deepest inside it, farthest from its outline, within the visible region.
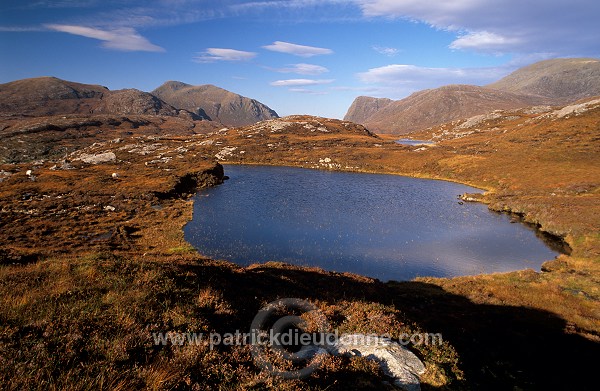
(94, 261)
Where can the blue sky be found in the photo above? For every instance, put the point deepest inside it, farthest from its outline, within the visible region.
(296, 56)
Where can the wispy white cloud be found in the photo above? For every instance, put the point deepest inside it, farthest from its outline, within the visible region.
(517, 26)
(390, 52)
(483, 39)
(21, 29)
(303, 69)
(307, 91)
(297, 50)
(123, 39)
(300, 82)
(221, 54)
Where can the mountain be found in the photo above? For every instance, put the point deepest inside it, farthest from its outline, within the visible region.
(432, 107)
(551, 82)
(562, 80)
(49, 96)
(365, 106)
(132, 101)
(214, 103)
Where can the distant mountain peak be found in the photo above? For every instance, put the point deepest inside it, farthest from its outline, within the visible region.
(48, 95)
(215, 103)
(562, 80)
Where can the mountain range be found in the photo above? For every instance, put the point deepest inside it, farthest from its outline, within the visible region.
(48, 96)
(550, 82)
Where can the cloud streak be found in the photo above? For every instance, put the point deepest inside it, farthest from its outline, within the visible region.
(303, 69)
(390, 52)
(122, 39)
(297, 50)
(300, 82)
(221, 54)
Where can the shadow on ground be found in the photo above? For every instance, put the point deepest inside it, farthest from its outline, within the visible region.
(500, 347)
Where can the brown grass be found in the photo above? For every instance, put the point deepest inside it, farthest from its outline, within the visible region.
(82, 288)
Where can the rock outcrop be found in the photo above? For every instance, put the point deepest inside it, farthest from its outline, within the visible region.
(364, 107)
(395, 360)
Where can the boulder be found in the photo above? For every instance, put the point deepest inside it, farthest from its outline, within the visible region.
(395, 360)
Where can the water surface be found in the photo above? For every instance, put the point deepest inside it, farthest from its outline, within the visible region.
(383, 226)
(408, 141)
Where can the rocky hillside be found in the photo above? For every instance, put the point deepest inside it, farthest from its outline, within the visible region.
(49, 96)
(214, 103)
(551, 82)
(132, 101)
(562, 80)
(436, 106)
(364, 107)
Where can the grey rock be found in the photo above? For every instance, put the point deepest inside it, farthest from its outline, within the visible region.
(395, 360)
(106, 157)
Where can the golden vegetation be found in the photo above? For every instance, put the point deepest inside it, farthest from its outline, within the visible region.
(83, 287)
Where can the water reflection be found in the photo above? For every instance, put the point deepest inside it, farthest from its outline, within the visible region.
(383, 226)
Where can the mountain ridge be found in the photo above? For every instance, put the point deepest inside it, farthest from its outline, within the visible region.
(549, 82)
(49, 96)
(215, 103)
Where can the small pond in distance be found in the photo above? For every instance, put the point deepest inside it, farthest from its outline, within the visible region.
(408, 141)
(383, 226)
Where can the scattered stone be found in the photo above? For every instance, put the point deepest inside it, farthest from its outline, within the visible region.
(4, 175)
(576, 109)
(225, 152)
(109, 208)
(106, 157)
(115, 175)
(395, 360)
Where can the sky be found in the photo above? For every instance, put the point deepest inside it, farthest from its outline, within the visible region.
(296, 56)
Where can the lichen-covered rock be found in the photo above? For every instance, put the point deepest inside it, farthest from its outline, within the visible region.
(395, 360)
(106, 157)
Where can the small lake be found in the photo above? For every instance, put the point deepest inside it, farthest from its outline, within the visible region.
(408, 141)
(383, 226)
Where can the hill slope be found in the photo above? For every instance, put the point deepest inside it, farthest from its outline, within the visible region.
(214, 103)
(436, 106)
(49, 96)
(551, 82)
(132, 101)
(563, 80)
(364, 107)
